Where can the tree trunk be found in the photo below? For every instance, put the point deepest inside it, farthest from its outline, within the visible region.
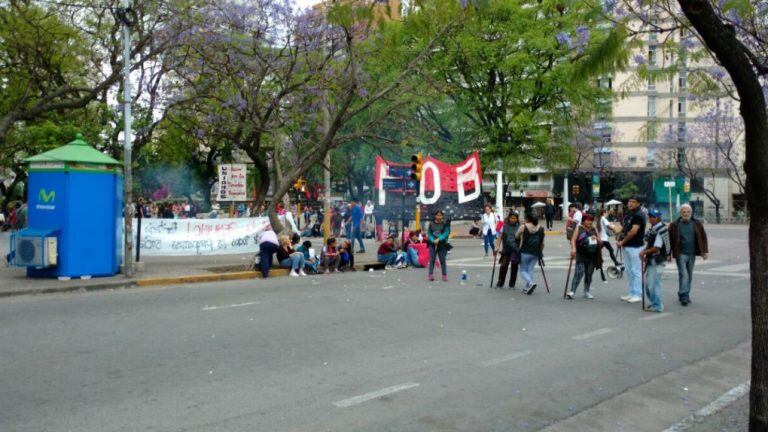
(721, 40)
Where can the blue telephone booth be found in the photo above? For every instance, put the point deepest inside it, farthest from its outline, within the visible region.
(75, 206)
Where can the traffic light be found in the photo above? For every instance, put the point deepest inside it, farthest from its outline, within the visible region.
(418, 161)
(299, 185)
(686, 186)
(575, 189)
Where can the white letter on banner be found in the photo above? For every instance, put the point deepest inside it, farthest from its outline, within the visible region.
(471, 175)
(382, 193)
(435, 178)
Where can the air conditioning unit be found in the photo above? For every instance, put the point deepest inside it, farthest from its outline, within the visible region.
(34, 251)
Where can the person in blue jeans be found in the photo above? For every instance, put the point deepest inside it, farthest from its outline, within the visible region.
(633, 232)
(411, 254)
(489, 221)
(438, 233)
(289, 258)
(310, 263)
(688, 240)
(357, 222)
(531, 238)
(655, 256)
(387, 253)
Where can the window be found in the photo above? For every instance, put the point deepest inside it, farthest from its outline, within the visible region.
(651, 84)
(651, 106)
(681, 107)
(681, 132)
(652, 56)
(680, 156)
(681, 81)
(632, 160)
(671, 111)
(602, 157)
(533, 178)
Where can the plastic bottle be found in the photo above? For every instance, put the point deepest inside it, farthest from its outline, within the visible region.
(464, 277)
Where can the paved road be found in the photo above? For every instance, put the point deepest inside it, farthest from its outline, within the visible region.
(381, 351)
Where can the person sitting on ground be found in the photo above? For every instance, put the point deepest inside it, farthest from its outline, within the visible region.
(412, 250)
(387, 253)
(289, 258)
(268, 246)
(311, 263)
(474, 231)
(347, 256)
(331, 257)
(316, 231)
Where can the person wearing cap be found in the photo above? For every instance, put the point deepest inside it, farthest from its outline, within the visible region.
(688, 239)
(632, 233)
(655, 256)
(585, 247)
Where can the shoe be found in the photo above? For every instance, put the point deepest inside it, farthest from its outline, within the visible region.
(569, 296)
(431, 278)
(337, 271)
(652, 309)
(634, 299)
(326, 272)
(512, 287)
(626, 297)
(361, 252)
(685, 302)
(302, 273)
(293, 274)
(499, 286)
(530, 290)
(445, 278)
(588, 296)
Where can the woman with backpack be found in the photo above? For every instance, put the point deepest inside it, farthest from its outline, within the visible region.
(510, 252)
(585, 247)
(531, 237)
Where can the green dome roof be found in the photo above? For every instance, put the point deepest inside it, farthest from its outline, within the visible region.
(77, 151)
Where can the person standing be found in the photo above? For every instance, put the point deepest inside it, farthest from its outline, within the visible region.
(489, 220)
(655, 256)
(604, 227)
(688, 239)
(437, 241)
(531, 237)
(574, 220)
(633, 232)
(549, 213)
(585, 247)
(510, 252)
(369, 220)
(357, 226)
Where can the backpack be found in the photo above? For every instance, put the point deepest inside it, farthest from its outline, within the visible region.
(532, 242)
(583, 245)
(508, 238)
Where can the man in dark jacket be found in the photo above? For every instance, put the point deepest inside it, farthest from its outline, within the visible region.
(688, 239)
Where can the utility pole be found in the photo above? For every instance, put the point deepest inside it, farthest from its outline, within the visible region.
(327, 161)
(123, 14)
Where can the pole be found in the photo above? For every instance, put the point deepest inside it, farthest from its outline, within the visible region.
(418, 212)
(500, 193)
(127, 141)
(138, 233)
(670, 204)
(493, 273)
(327, 178)
(567, 278)
(402, 215)
(544, 275)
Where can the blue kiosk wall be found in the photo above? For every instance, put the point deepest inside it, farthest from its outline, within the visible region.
(78, 197)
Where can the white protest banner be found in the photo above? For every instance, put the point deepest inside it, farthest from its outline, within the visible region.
(179, 237)
(233, 184)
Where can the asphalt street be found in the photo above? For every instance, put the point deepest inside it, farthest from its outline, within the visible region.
(366, 351)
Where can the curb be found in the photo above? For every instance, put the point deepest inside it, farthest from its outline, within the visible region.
(171, 280)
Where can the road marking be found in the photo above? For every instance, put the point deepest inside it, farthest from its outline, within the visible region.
(732, 268)
(656, 316)
(207, 308)
(723, 401)
(506, 358)
(592, 334)
(388, 287)
(346, 403)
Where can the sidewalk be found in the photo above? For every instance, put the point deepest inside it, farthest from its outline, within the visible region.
(156, 271)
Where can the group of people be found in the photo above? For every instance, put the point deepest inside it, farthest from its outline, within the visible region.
(15, 217)
(646, 250)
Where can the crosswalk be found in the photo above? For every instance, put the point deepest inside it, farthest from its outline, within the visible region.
(709, 267)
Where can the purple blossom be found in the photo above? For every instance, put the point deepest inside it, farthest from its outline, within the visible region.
(609, 6)
(639, 59)
(582, 34)
(564, 38)
(688, 43)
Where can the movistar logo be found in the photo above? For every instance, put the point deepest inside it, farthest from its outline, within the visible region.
(46, 197)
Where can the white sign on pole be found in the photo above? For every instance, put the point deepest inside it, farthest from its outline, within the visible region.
(233, 184)
(180, 237)
(669, 184)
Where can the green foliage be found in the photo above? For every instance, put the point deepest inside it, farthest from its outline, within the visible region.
(626, 191)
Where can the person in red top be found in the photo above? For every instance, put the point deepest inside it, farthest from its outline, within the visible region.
(331, 256)
(387, 253)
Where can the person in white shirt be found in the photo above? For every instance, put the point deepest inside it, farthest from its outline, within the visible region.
(368, 211)
(488, 229)
(605, 232)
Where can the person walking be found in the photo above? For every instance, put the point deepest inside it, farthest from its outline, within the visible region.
(437, 241)
(585, 247)
(604, 228)
(510, 251)
(549, 213)
(574, 219)
(655, 256)
(489, 220)
(633, 232)
(688, 239)
(531, 237)
(357, 226)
